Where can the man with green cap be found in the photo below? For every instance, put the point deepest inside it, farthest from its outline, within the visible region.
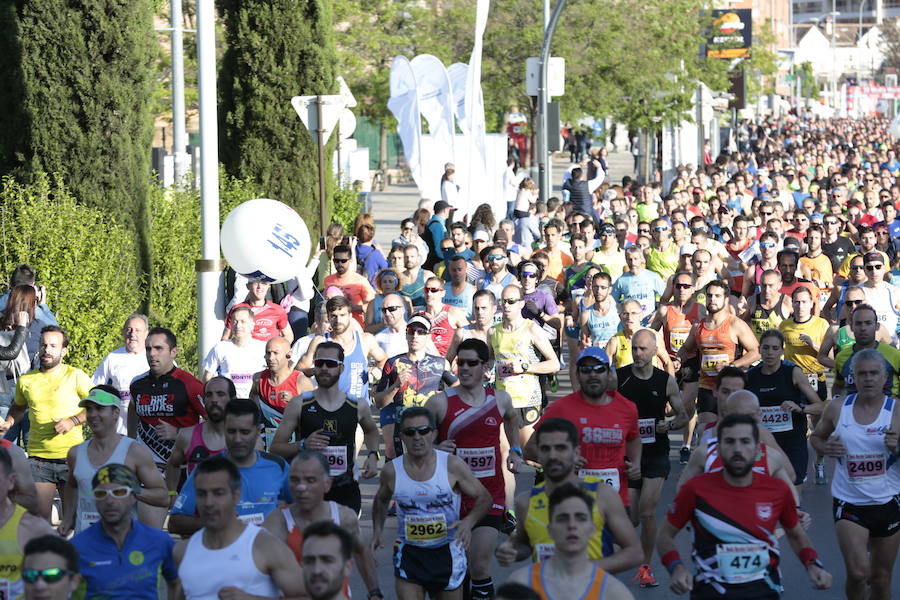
(103, 406)
(120, 557)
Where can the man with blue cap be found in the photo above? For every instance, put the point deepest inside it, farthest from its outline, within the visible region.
(607, 423)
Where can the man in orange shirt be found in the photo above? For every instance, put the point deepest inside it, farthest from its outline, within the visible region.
(559, 259)
(356, 287)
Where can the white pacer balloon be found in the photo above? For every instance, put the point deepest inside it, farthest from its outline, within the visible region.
(265, 239)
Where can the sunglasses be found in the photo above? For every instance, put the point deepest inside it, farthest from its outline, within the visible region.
(390, 308)
(433, 290)
(767, 244)
(510, 301)
(468, 363)
(340, 261)
(412, 431)
(852, 302)
(588, 369)
(415, 331)
(116, 492)
(529, 274)
(496, 256)
(830, 222)
(48, 575)
(684, 286)
(326, 363)
(856, 267)
(874, 267)
(768, 213)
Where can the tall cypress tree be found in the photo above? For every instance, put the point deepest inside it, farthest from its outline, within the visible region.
(276, 49)
(77, 80)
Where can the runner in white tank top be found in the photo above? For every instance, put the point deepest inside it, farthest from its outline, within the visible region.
(204, 572)
(86, 513)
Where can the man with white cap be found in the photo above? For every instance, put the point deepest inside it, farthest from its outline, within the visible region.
(103, 407)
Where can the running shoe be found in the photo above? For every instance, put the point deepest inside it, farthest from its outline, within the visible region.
(685, 455)
(645, 577)
(820, 474)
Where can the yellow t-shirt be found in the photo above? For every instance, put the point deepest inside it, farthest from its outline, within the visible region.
(796, 350)
(49, 396)
(612, 265)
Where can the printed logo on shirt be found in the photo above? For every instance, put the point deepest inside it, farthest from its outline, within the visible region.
(136, 557)
(330, 426)
(764, 510)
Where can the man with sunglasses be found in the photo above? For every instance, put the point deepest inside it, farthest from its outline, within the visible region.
(607, 423)
(17, 528)
(410, 379)
(522, 352)
(882, 296)
(445, 319)
(496, 275)
(106, 445)
(766, 261)
(469, 417)
(432, 537)
(392, 338)
(355, 286)
(662, 255)
(867, 242)
(115, 488)
(325, 420)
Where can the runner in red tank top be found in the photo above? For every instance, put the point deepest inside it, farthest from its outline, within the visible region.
(445, 319)
(469, 417)
(274, 386)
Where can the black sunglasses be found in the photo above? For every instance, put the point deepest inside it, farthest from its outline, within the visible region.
(588, 369)
(411, 431)
(326, 363)
(469, 363)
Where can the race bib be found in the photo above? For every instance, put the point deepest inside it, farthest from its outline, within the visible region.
(865, 467)
(425, 528)
(741, 563)
(508, 368)
(337, 459)
(813, 379)
(544, 551)
(252, 518)
(647, 430)
(88, 518)
(776, 419)
(241, 378)
(480, 460)
(709, 363)
(677, 339)
(609, 476)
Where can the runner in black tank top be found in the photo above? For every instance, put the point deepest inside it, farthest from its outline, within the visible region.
(650, 398)
(340, 427)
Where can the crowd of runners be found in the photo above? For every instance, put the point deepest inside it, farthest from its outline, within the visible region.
(749, 312)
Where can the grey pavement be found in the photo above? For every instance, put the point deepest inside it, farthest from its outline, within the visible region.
(400, 201)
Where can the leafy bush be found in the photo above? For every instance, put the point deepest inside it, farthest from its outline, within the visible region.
(174, 246)
(86, 260)
(345, 206)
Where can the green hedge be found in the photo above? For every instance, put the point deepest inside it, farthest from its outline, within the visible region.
(86, 261)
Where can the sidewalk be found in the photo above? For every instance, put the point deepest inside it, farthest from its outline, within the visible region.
(399, 201)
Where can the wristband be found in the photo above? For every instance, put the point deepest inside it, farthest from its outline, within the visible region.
(671, 560)
(173, 493)
(376, 592)
(516, 449)
(75, 421)
(808, 555)
(376, 453)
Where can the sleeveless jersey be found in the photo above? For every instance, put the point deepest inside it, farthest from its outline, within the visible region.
(11, 585)
(663, 263)
(650, 397)
(765, 318)
(86, 512)
(594, 589)
(868, 474)
(677, 327)
(203, 572)
(510, 349)
(426, 509)
(274, 398)
(197, 451)
(354, 380)
(623, 354)
(476, 432)
(883, 299)
(295, 534)
(441, 332)
(538, 519)
(713, 462)
(602, 327)
(715, 348)
(340, 427)
(844, 339)
(415, 291)
(772, 390)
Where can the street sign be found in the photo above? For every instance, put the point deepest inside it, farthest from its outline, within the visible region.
(331, 108)
(344, 91)
(556, 76)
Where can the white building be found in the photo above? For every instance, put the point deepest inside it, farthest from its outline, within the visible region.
(852, 55)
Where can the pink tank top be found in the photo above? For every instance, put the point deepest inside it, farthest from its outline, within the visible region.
(197, 451)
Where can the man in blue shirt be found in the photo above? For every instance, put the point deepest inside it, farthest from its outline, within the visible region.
(264, 476)
(120, 557)
(435, 231)
(638, 284)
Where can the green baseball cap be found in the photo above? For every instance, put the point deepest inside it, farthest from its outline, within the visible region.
(102, 398)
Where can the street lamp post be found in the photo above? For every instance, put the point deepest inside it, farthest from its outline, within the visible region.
(834, 16)
(543, 97)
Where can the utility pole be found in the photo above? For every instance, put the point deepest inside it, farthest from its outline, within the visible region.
(179, 139)
(543, 157)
